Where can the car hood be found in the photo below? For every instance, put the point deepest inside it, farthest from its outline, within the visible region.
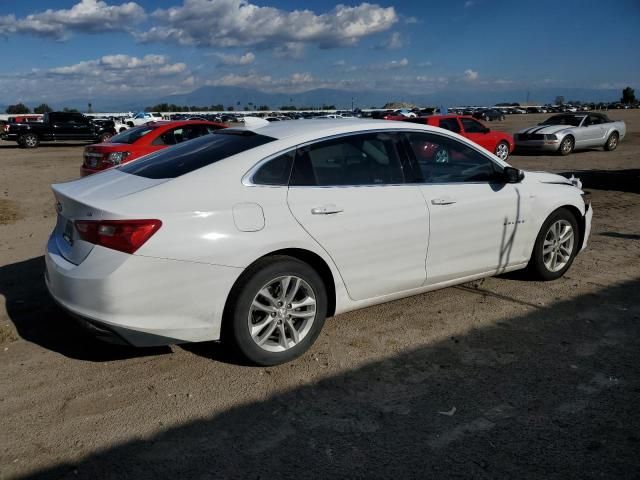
(546, 177)
(545, 129)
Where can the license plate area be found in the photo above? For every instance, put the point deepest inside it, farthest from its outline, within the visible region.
(67, 234)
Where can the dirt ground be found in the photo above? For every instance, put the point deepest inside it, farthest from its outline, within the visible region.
(502, 378)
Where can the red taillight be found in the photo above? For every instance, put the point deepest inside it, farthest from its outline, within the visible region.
(123, 235)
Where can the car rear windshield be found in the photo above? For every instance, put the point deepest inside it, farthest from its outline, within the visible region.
(131, 135)
(194, 154)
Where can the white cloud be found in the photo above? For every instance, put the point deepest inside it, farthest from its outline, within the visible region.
(87, 16)
(121, 68)
(470, 75)
(246, 59)
(226, 23)
(392, 43)
(469, 4)
(425, 64)
(289, 50)
(393, 64)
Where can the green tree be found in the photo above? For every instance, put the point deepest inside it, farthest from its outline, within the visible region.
(230, 108)
(559, 100)
(288, 107)
(42, 108)
(17, 109)
(263, 108)
(70, 110)
(628, 95)
(218, 107)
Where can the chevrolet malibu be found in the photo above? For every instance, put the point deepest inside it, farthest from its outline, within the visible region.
(254, 236)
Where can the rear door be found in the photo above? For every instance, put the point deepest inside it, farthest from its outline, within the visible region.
(478, 223)
(82, 127)
(350, 195)
(62, 126)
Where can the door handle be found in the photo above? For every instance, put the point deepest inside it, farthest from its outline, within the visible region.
(326, 210)
(443, 201)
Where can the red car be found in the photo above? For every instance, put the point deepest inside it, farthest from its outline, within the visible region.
(139, 141)
(499, 143)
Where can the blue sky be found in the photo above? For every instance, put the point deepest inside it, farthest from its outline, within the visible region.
(55, 49)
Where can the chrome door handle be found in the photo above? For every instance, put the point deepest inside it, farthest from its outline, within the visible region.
(443, 201)
(326, 210)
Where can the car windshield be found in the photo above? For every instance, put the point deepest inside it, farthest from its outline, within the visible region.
(573, 120)
(131, 135)
(194, 154)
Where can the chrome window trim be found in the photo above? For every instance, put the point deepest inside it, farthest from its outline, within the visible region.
(247, 178)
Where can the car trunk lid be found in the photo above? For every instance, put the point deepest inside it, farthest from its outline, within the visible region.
(89, 199)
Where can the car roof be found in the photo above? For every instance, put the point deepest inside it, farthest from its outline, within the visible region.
(319, 128)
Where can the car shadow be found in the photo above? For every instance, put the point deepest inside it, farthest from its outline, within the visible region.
(628, 236)
(39, 320)
(627, 180)
(549, 393)
(11, 145)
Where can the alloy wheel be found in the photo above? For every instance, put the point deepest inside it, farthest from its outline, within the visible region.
(558, 245)
(502, 151)
(282, 313)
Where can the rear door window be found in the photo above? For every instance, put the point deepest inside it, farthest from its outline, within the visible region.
(364, 159)
(472, 126)
(275, 171)
(450, 124)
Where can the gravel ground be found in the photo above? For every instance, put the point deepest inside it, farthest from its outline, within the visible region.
(501, 378)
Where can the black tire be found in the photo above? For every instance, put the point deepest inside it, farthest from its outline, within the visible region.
(612, 142)
(122, 129)
(29, 140)
(537, 268)
(567, 145)
(255, 278)
(104, 137)
(502, 144)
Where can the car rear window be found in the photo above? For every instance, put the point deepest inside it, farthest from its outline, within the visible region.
(131, 135)
(197, 153)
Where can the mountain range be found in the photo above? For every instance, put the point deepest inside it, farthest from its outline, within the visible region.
(239, 97)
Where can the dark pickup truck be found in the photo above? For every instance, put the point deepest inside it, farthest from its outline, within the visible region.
(58, 126)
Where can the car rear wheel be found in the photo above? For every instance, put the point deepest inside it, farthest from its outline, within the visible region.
(566, 146)
(612, 142)
(556, 246)
(276, 310)
(502, 150)
(29, 140)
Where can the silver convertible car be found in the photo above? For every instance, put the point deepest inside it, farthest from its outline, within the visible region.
(567, 132)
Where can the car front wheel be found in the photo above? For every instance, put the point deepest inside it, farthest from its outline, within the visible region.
(276, 310)
(566, 146)
(556, 246)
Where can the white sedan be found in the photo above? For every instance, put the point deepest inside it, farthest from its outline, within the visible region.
(254, 236)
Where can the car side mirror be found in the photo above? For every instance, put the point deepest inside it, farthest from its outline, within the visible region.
(513, 175)
(486, 130)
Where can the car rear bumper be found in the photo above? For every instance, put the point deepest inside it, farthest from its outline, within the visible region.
(142, 301)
